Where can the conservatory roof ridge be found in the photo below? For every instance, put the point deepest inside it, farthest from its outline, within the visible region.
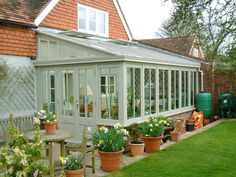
(134, 52)
(74, 40)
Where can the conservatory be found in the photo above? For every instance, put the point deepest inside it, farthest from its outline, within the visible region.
(91, 81)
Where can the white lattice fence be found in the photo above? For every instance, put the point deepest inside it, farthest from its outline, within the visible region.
(17, 90)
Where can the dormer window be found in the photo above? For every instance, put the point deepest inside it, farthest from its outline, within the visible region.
(93, 21)
(195, 52)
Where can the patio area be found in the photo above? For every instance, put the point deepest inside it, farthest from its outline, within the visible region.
(126, 158)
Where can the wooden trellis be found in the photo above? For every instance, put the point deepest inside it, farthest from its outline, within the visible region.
(17, 90)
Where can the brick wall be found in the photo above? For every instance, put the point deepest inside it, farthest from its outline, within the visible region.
(64, 16)
(17, 40)
(214, 81)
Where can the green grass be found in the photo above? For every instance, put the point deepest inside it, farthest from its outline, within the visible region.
(208, 154)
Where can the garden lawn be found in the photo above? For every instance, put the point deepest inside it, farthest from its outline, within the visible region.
(208, 154)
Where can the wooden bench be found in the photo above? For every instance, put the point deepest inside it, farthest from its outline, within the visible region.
(24, 124)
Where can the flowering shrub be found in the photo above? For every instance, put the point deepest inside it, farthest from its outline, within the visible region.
(72, 162)
(154, 126)
(110, 139)
(47, 116)
(18, 156)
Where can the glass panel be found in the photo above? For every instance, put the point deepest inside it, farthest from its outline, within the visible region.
(101, 22)
(113, 94)
(82, 18)
(137, 86)
(43, 49)
(186, 90)
(183, 89)
(49, 91)
(161, 91)
(52, 52)
(82, 92)
(109, 95)
(91, 74)
(153, 91)
(92, 20)
(67, 93)
(147, 87)
(196, 86)
(177, 89)
(130, 93)
(166, 90)
(173, 89)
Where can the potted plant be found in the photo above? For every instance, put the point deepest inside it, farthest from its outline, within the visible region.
(49, 121)
(73, 165)
(135, 143)
(110, 142)
(152, 130)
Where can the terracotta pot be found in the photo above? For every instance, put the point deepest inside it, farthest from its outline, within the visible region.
(136, 149)
(152, 144)
(110, 161)
(175, 136)
(74, 173)
(50, 127)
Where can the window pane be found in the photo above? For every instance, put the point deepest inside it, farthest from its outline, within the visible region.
(161, 91)
(137, 92)
(153, 91)
(147, 88)
(49, 91)
(183, 89)
(92, 20)
(82, 18)
(101, 22)
(67, 93)
(82, 92)
(177, 89)
(130, 93)
(166, 90)
(187, 84)
(90, 92)
(173, 89)
(109, 95)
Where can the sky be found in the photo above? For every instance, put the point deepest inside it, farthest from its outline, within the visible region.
(145, 17)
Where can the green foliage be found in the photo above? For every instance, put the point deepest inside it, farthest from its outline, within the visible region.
(110, 139)
(209, 154)
(72, 162)
(19, 156)
(154, 126)
(47, 116)
(134, 132)
(213, 21)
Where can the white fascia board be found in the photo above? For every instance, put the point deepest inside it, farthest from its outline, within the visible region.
(45, 12)
(124, 22)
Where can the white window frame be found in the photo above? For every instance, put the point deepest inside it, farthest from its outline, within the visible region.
(87, 30)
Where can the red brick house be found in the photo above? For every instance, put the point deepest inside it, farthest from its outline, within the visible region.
(19, 19)
(76, 58)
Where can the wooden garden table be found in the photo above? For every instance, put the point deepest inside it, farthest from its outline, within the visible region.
(60, 136)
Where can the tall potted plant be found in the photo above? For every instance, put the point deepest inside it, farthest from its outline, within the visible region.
(135, 143)
(49, 121)
(110, 142)
(73, 165)
(152, 130)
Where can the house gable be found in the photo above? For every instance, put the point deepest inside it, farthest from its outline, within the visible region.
(65, 16)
